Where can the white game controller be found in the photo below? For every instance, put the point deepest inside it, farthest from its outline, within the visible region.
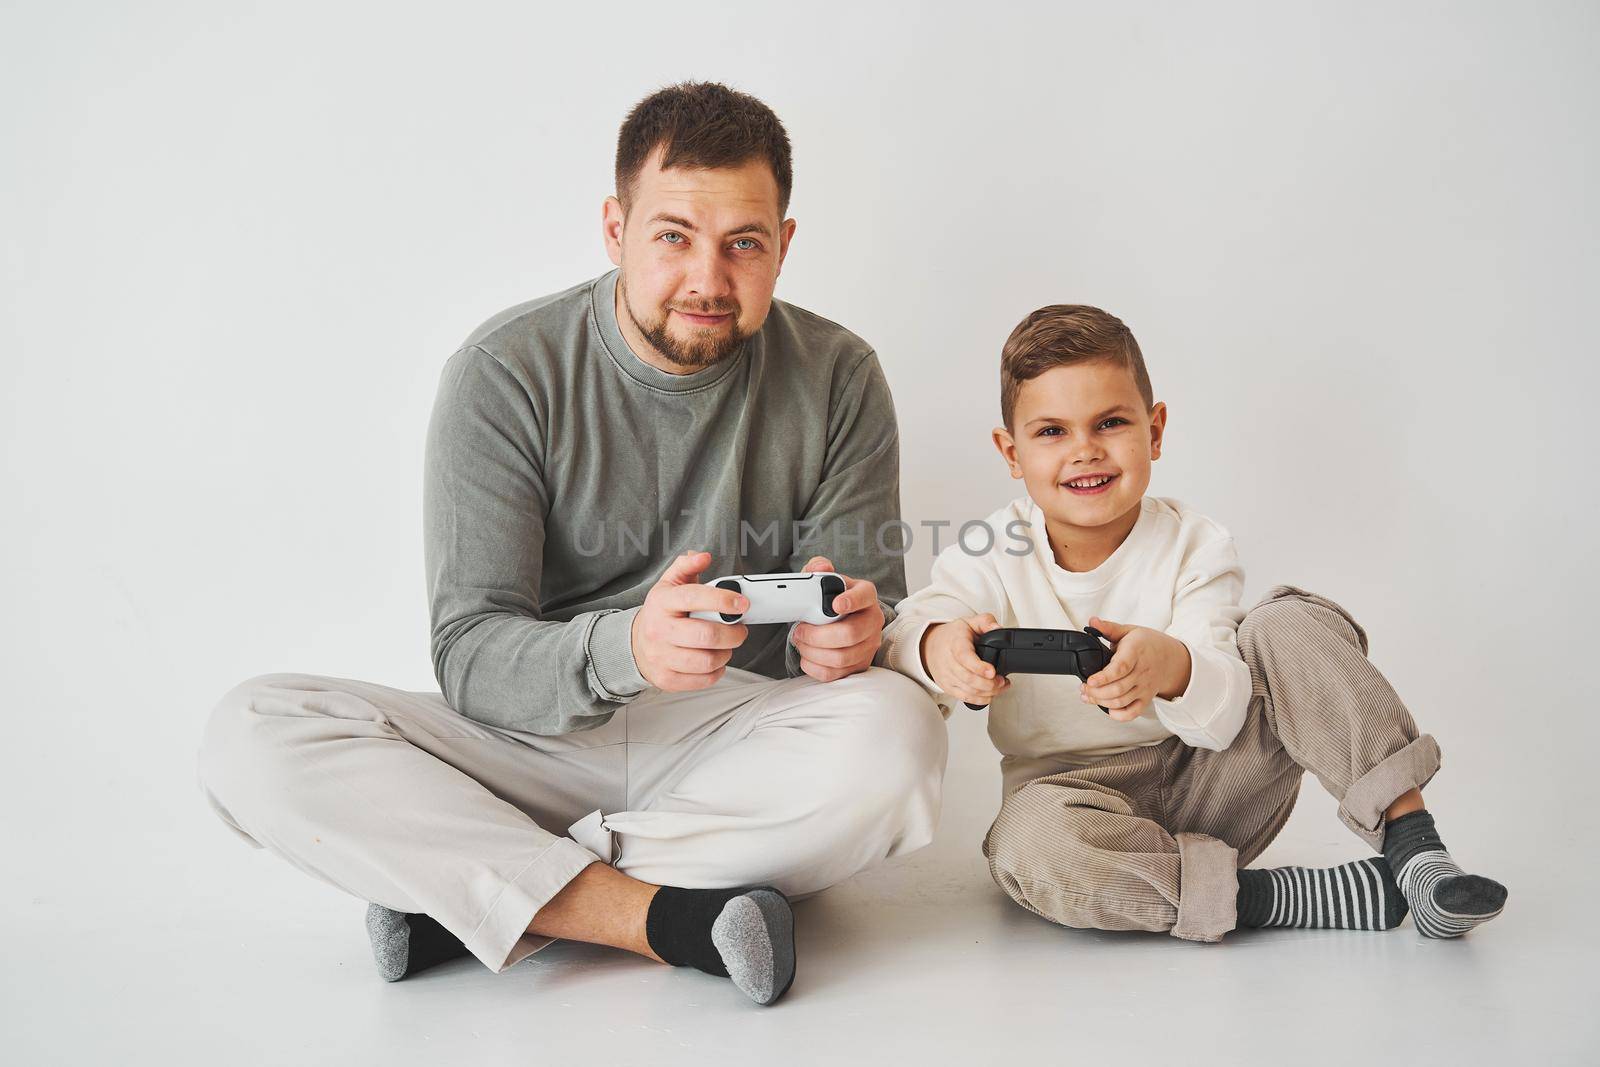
(780, 598)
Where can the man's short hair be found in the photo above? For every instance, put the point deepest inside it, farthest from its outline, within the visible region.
(1060, 335)
(702, 124)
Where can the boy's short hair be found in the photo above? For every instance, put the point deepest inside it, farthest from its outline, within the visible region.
(702, 124)
(1060, 335)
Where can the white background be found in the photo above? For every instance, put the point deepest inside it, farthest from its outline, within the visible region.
(1358, 243)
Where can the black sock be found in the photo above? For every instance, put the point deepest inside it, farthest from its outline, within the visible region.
(743, 934)
(1355, 896)
(678, 926)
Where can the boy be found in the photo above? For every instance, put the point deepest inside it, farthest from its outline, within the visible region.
(1140, 817)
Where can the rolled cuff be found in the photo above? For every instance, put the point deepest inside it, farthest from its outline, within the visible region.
(613, 674)
(1208, 888)
(1370, 795)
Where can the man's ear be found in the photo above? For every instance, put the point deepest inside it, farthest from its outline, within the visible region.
(1158, 427)
(611, 221)
(1008, 450)
(785, 235)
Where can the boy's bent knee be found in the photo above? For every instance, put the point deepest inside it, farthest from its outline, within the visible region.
(1292, 621)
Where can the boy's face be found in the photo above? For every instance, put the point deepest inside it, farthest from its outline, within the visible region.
(1074, 423)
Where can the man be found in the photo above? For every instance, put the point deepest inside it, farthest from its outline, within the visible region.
(601, 766)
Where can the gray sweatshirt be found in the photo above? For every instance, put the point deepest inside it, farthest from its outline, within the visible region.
(563, 474)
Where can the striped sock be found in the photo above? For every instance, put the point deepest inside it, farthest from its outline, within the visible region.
(1355, 896)
(1445, 900)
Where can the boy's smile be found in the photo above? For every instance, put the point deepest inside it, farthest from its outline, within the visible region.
(1083, 445)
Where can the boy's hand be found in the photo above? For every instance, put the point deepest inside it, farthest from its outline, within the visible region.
(846, 645)
(1145, 664)
(949, 657)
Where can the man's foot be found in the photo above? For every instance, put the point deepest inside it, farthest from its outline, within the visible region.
(1356, 896)
(743, 934)
(1445, 900)
(404, 944)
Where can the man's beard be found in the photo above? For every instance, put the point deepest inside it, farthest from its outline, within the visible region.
(707, 347)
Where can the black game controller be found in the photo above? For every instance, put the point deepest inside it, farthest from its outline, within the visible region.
(1018, 651)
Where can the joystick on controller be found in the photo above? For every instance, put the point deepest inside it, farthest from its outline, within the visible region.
(1018, 651)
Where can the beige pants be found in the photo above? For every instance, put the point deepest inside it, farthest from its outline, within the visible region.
(395, 798)
(1152, 838)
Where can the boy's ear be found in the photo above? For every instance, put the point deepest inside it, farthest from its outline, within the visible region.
(1158, 427)
(1008, 450)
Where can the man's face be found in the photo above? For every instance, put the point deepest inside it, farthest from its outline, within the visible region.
(1078, 421)
(700, 251)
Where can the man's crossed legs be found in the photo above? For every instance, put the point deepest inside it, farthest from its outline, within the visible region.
(506, 840)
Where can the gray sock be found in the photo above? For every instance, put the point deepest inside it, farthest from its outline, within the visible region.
(404, 944)
(754, 934)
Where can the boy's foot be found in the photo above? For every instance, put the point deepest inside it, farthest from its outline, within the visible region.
(1356, 896)
(743, 934)
(1445, 901)
(404, 944)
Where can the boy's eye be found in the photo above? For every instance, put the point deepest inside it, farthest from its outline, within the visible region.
(1056, 431)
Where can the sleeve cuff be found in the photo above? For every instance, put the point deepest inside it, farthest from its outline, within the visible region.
(1211, 710)
(613, 674)
(791, 655)
(903, 652)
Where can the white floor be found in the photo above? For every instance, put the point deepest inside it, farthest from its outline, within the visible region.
(206, 950)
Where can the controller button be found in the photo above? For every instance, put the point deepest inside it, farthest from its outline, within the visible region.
(832, 586)
(732, 585)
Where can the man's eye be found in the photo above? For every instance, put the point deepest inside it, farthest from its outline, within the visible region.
(672, 237)
(744, 244)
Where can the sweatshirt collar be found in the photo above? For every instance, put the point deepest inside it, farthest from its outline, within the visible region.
(1109, 568)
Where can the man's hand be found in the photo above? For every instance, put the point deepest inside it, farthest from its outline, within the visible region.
(1146, 664)
(677, 653)
(949, 657)
(846, 645)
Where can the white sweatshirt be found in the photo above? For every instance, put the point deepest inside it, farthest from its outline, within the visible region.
(1177, 571)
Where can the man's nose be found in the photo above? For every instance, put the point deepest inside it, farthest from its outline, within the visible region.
(708, 275)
